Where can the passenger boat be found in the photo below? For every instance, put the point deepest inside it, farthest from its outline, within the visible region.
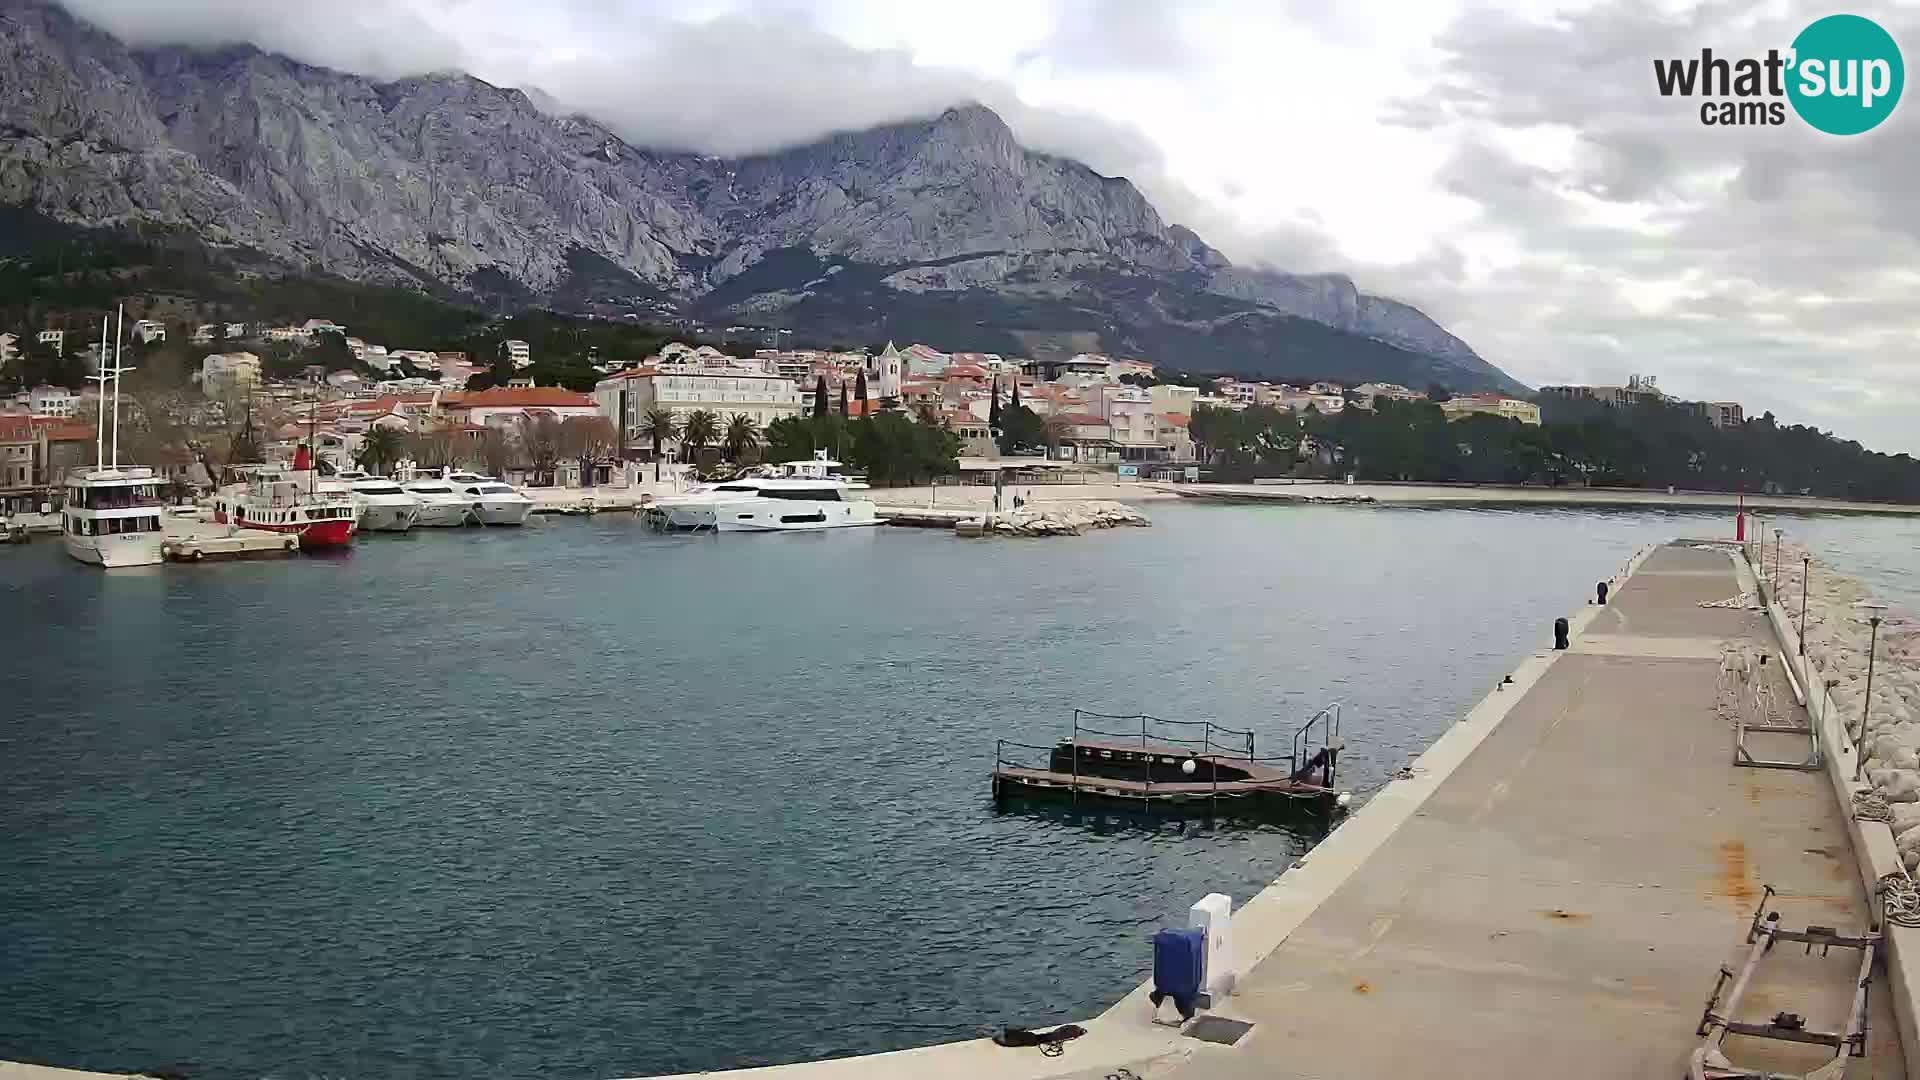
(289, 500)
(112, 516)
(799, 496)
(112, 512)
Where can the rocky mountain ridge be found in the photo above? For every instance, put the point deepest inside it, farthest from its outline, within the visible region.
(946, 224)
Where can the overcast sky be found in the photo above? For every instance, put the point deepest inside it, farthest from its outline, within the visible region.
(1509, 168)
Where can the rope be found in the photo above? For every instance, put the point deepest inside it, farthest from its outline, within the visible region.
(1870, 805)
(1900, 899)
(1746, 601)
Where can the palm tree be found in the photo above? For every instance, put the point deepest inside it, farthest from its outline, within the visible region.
(742, 438)
(381, 448)
(657, 425)
(701, 430)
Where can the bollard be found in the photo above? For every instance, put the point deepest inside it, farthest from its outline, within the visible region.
(1213, 915)
(1600, 594)
(1560, 632)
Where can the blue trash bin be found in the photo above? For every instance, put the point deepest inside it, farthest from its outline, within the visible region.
(1179, 964)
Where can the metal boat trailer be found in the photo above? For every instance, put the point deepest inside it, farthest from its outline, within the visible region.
(1709, 1060)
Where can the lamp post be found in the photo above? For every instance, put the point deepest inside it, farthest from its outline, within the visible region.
(1806, 579)
(1776, 560)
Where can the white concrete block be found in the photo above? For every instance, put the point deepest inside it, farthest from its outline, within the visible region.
(1214, 914)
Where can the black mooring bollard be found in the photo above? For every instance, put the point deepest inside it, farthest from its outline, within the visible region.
(1600, 594)
(1560, 632)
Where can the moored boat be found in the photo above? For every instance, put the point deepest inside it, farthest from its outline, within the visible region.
(289, 500)
(492, 501)
(798, 496)
(112, 512)
(438, 505)
(382, 505)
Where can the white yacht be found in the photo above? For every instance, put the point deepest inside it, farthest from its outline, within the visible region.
(438, 505)
(383, 506)
(494, 502)
(112, 511)
(112, 516)
(801, 496)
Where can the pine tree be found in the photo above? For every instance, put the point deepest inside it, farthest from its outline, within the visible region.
(993, 410)
(843, 398)
(1016, 392)
(820, 397)
(860, 390)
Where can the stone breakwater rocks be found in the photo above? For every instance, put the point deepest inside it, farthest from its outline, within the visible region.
(1837, 633)
(1061, 519)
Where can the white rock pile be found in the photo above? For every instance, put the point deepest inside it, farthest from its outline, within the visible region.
(1066, 518)
(1837, 633)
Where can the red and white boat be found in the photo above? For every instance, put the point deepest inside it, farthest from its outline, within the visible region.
(283, 500)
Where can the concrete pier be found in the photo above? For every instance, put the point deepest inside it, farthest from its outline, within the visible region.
(1561, 903)
(193, 540)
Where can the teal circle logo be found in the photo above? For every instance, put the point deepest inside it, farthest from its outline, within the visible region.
(1847, 75)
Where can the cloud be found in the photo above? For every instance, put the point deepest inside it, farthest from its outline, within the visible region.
(1770, 264)
(1131, 36)
(369, 37)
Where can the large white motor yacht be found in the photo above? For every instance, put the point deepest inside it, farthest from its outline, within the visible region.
(492, 501)
(438, 506)
(383, 505)
(801, 496)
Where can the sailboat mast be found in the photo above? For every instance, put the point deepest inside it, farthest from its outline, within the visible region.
(100, 376)
(118, 328)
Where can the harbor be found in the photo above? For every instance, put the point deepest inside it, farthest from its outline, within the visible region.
(1562, 877)
(559, 836)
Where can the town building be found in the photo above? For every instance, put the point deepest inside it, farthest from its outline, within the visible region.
(149, 331)
(889, 373)
(54, 401)
(1171, 398)
(519, 352)
(1372, 392)
(507, 406)
(55, 338)
(1639, 389)
(1722, 414)
(684, 387)
(1491, 405)
(1238, 394)
(9, 348)
(222, 374)
(1176, 441)
(35, 454)
(976, 438)
(1132, 427)
(22, 449)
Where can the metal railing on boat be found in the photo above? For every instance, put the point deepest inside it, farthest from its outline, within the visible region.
(1214, 743)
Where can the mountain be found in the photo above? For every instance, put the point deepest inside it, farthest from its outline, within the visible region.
(944, 229)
